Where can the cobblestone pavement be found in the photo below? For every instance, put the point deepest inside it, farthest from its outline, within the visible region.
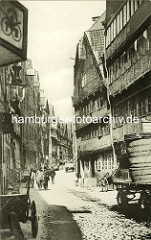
(96, 220)
(104, 224)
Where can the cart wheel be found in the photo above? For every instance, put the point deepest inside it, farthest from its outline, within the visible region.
(34, 220)
(144, 203)
(122, 200)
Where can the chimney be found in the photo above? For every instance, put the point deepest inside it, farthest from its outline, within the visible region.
(95, 18)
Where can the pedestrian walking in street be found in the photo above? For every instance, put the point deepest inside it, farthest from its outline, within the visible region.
(52, 174)
(32, 178)
(39, 178)
(46, 178)
(104, 183)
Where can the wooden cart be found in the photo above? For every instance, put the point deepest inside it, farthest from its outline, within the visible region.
(22, 207)
(136, 179)
(128, 189)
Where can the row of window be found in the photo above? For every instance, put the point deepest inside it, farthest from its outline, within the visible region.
(131, 55)
(92, 106)
(121, 19)
(105, 162)
(138, 107)
(135, 107)
(99, 131)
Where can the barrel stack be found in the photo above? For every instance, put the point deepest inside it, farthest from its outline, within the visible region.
(140, 160)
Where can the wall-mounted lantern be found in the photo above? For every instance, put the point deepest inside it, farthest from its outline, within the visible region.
(16, 79)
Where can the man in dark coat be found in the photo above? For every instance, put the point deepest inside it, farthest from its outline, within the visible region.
(46, 178)
(52, 174)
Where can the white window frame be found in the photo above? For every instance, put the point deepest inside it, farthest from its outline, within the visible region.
(112, 31)
(107, 38)
(136, 5)
(124, 15)
(109, 35)
(128, 11)
(114, 27)
(118, 23)
(132, 7)
(121, 20)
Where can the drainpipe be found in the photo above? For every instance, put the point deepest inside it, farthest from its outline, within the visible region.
(109, 102)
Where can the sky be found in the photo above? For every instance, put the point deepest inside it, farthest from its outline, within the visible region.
(54, 29)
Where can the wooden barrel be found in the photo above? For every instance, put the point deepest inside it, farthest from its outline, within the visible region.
(143, 155)
(141, 148)
(139, 165)
(140, 160)
(141, 175)
(140, 172)
(140, 142)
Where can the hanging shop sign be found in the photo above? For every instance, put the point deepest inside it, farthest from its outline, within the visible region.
(13, 32)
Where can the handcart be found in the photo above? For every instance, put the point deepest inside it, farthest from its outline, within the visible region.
(22, 207)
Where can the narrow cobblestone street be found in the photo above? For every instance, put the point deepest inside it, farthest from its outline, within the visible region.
(96, 220)
(75, 120)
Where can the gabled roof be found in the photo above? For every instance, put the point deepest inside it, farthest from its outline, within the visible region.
(95, 36)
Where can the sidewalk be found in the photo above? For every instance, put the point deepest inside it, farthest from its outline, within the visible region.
(55, 221)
